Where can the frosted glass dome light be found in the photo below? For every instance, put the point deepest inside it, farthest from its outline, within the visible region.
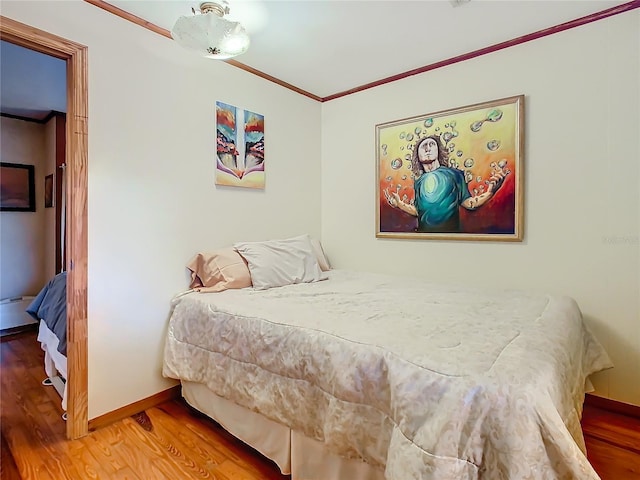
(210, 34)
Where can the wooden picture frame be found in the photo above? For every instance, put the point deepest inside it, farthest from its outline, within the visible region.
(17, 187)
(453, 174)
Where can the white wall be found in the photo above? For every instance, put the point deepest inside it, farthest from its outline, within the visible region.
(22, 234)
(582, 204)
(152, 198)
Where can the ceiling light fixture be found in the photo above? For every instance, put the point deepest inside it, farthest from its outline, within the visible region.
(210, 34)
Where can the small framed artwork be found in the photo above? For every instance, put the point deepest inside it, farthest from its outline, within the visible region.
(240, 160)
(48, 191)
(453, 175)
(17, 187)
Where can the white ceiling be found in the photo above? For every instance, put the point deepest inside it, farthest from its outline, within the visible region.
(326, 47)
(323, 47)
(31, 84)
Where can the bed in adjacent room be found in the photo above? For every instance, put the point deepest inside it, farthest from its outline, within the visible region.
(49, 308)
(367, 376)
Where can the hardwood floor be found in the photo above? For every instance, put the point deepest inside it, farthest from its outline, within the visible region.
(613, 443)
(8, 467)
(171, 441)
(165, 442)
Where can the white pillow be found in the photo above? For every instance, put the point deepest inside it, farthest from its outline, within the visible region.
(275, 263)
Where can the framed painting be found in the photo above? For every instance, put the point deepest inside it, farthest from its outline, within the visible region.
(239, 147)
(453, 175)
(48, 191)
(17, 187)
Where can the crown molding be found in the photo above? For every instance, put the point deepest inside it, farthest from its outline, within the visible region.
(450, 61)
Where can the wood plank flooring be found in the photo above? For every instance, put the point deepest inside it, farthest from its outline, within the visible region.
(171, 441)
(613, 443)
(8, 467)
(165, 442)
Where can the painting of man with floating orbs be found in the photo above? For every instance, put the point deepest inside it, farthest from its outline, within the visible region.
(239, 147)
(453, 175)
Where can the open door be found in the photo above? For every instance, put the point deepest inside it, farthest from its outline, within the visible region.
(61, 211)
(76, 153)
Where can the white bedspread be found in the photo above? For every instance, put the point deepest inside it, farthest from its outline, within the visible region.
(422, 380)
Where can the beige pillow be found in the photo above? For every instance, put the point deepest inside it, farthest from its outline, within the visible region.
(276, 263)
(218, 270)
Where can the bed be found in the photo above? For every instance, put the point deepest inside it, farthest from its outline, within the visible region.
(49, 308)
(336, 374)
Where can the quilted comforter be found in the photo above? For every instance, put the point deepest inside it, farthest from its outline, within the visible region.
(421, 380)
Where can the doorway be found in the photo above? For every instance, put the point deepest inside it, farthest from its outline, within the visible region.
(75, 56)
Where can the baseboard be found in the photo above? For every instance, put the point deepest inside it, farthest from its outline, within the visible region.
(174, 392)
(133, 408)
(612, 405)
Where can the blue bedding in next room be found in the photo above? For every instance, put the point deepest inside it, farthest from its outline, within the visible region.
(51, 306)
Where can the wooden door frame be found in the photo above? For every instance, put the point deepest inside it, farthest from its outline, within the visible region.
(76, 206)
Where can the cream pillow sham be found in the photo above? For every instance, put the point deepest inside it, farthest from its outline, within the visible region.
(276, 263)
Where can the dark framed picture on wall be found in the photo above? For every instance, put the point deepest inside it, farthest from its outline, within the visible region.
(17, 187)
(454, 174)
(48, 191)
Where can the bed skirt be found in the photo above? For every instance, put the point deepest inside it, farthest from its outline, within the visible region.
(55, 363)
(294, 453)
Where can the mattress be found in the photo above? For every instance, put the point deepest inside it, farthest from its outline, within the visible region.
(418, 379)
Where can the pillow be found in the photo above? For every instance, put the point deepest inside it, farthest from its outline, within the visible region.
(320, 256)
(218, 270)
(276, 263)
